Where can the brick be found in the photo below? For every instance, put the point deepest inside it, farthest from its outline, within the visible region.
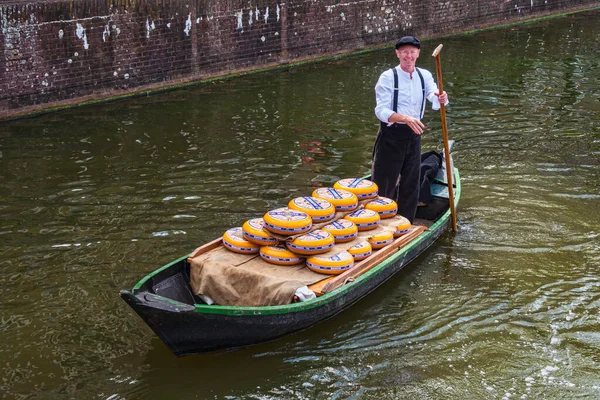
(80, 45)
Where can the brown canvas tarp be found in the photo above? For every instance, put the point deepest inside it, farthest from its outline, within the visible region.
(247, 280)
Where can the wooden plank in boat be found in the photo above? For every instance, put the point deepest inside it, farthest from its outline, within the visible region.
(366, 265)
(317, 288)
(206, 248)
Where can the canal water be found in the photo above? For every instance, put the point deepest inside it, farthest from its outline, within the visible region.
(92, 199)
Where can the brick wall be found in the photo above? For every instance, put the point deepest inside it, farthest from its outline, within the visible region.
(58, 52)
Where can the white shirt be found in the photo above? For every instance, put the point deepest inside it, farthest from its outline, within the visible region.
(410, 98)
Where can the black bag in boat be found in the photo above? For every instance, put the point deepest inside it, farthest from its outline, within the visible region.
(431, 162)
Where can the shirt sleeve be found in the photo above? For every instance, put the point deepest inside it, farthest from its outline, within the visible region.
(431, 88)
(384, 91)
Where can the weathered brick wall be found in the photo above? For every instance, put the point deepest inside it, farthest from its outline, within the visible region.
(60, 52)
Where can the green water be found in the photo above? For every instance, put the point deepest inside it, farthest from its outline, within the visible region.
(92, 199)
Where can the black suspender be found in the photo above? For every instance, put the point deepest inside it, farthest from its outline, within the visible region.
(395, 108)
(423, 90)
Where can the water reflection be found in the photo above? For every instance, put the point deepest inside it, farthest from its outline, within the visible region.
(94, 198)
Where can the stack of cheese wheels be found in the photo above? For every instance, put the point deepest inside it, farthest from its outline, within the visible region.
(234, 240)
(279, 255)
(381, 239)
(332, 265)
(402, 227)
(386, 208)
(315, 242)
(343, 200)
(362, 188)
(361, 251)
(319, 210)
(364, 219)
(342, 230)
(254, 231)
(284, 221)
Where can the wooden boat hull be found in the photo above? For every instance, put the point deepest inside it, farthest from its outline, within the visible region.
(187, 327)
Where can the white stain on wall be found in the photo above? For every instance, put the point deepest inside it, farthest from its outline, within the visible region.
(106, 32)
(277, 11)
(266, 15)
(250, 15)
(188, 25)
(80, 32)
(149, 27)
(239, 15)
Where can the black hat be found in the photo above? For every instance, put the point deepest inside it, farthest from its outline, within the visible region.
(410, 40)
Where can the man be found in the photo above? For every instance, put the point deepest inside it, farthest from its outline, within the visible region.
(400, 107)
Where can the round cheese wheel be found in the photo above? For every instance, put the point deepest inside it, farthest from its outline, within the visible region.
(343, 200)
(364, 219)
(362, 188)
(234, 240)
(279, 255)
(382, 239)
(386, 208)
(361, 251)
(315, 242)
(284, 221)
(402, 227)
(331, 265)
(254, 231)
(342, 230)
(319, 210)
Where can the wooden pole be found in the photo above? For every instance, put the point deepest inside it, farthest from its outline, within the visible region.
(449, 172)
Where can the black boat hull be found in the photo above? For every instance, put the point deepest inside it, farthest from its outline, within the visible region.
(188, 329)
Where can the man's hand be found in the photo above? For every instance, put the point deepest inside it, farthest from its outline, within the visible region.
(443, 97)
(414, 124)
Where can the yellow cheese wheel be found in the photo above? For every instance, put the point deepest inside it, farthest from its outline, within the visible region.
(315, 242)
(319, 210)
(382, 239)
(331, 265)
(386, 208)
(234, 240)
(343, 200)
(361, 251)
(362, 188)
(402, 227)
(342, 230)
(254, 231)
(284, 221)
(279, 255)
(364, 219)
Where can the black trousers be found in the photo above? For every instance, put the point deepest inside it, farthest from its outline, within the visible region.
(396, 167)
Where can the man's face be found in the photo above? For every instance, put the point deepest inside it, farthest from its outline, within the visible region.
(408, 56)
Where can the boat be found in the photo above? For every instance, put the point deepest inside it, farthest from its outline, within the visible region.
(187, 325)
